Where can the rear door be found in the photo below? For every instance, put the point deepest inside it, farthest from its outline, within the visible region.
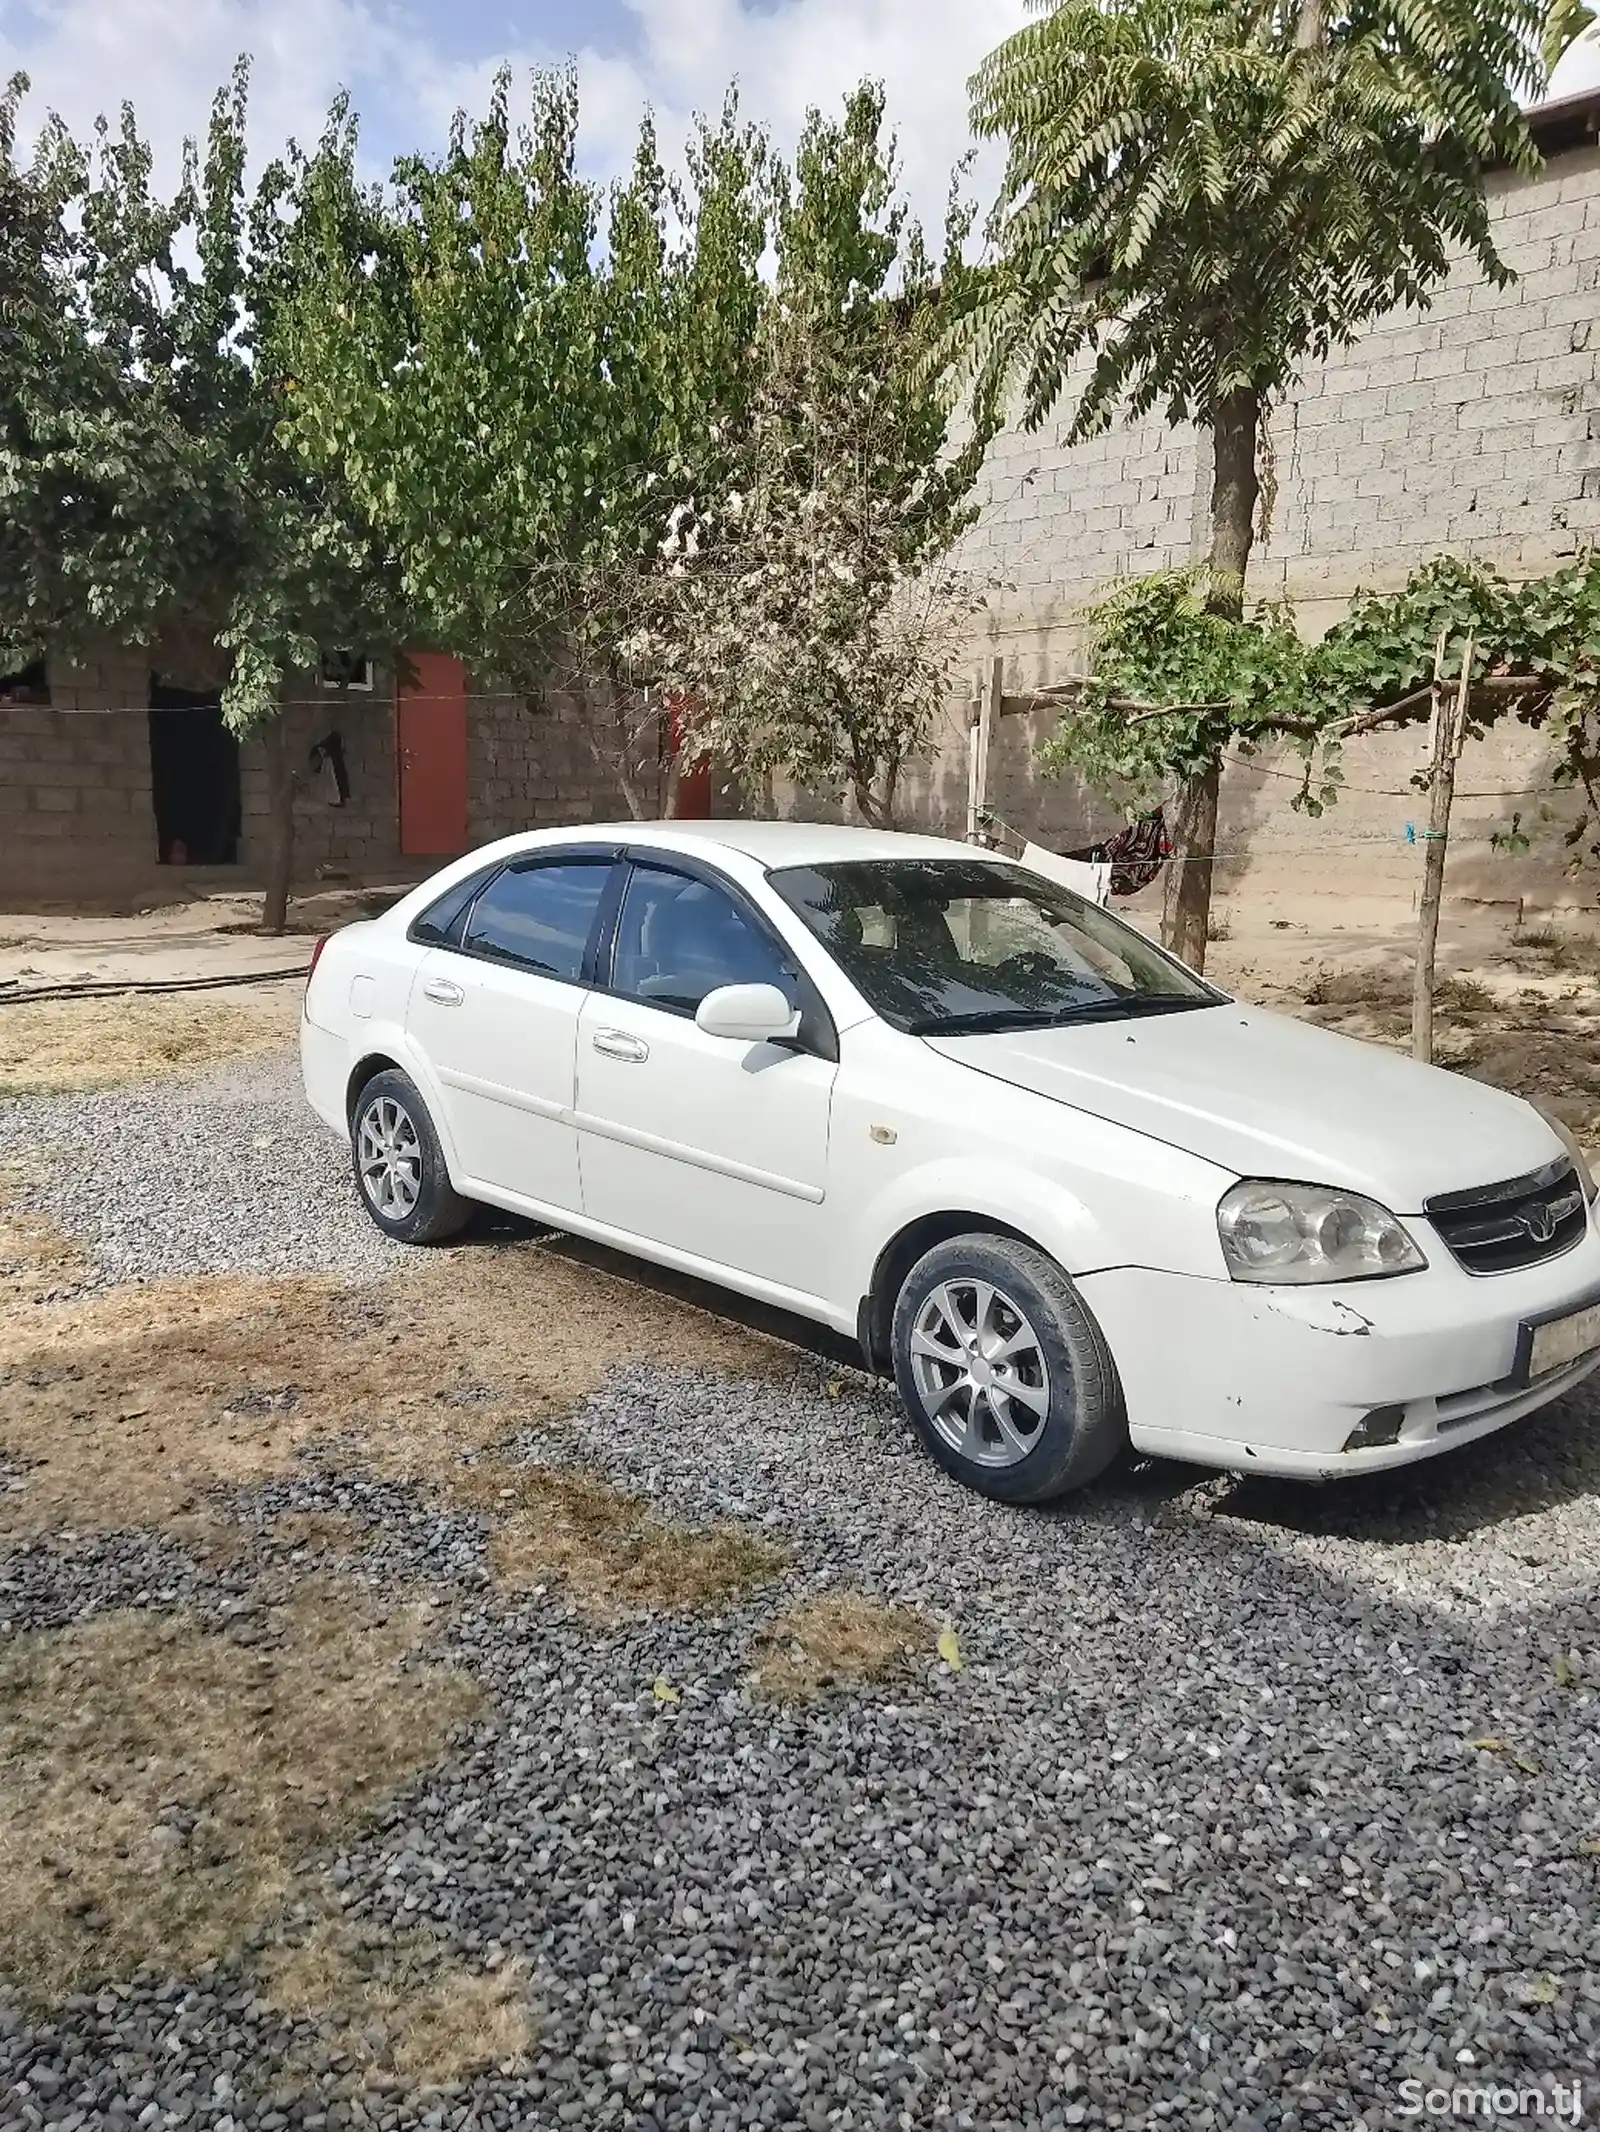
(712, 1148)
(496, 1017)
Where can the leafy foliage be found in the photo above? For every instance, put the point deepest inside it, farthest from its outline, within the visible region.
(520, 377)
(141, 481)
(1175, 683)
(1203, 193)
(1157, 642)
(808, 612)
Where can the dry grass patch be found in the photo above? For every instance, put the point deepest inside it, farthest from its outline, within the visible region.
(48, 1046)
(36, 1260)
(399, 2006)
(159, 1781)
(611, 1551)
(126, 1404)
(838, 1641)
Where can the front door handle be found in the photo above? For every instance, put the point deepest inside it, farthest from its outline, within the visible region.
(444, 991)
(618, 1044)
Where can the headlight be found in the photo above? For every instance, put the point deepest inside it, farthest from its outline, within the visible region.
(1580, 1161)
(1310, 1232)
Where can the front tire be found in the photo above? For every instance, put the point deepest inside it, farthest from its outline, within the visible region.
(399, 1165)
(1005, 1375)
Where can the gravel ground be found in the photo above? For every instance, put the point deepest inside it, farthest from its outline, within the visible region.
(1197, 1833)
(226, 1173)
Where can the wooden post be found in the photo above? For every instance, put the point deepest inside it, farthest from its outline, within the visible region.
(280, 823)
(1448, 727)
(974, 714)
(990, 704)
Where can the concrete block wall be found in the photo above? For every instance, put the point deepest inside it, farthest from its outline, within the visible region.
(529, 766)
(1472, 427)
(75, 778)
(359, 838)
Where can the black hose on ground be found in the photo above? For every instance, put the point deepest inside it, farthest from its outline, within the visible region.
(114, 988)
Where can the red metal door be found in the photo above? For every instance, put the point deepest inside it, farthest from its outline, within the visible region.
(694, 784)
(431, 730)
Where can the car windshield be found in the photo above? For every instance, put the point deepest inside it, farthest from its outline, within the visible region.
(941, 947)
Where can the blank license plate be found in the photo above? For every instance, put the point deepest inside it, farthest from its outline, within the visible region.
(1563, 1340)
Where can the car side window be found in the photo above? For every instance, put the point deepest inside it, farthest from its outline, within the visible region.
(678, 939)
(439, 926)
(539, 917)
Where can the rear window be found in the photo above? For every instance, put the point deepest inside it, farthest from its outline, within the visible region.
(439, 926)
(540, 917)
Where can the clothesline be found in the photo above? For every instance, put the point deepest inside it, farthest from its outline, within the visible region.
(1255, 848)
(1411, 791)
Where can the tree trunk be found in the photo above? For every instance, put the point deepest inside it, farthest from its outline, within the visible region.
(280, 824)
(876, 808)
(1186, 905)
(1235, 486)
(614, 764)
(1449, 727)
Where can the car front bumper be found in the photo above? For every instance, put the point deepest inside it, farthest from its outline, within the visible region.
(1260, 1379)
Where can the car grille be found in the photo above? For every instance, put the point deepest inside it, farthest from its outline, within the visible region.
(1499, 1227)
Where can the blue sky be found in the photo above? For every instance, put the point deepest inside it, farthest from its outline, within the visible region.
(409, 63)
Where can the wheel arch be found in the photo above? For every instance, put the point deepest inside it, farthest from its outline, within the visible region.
(366, 1069)
(875, 1312)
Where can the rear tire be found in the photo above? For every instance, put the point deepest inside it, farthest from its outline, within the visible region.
(399, 1165)
(1003, 1371)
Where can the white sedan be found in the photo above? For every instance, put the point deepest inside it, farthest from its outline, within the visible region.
(1072, 1195)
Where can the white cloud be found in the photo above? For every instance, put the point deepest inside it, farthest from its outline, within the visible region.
(168, 56)
(1580, 66)
(785, 58)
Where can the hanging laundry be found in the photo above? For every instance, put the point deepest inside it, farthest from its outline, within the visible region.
(1135, 855)
(1089, 878)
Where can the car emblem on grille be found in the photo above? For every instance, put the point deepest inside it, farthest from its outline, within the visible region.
(1539, 1222)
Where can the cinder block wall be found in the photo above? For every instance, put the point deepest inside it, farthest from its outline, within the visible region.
(529, 766)
(1472, 427)
(75, 779)
(361, 837)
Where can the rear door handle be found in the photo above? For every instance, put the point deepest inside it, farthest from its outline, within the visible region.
(618, 1044)
(444, 991)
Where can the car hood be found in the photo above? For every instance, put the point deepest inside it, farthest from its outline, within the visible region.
(1265, 1095)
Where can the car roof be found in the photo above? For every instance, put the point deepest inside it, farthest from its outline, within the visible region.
(770, 844)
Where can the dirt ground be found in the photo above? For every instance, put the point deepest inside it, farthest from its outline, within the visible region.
(162, 1776)
(1519, 1009)
(160, 1779)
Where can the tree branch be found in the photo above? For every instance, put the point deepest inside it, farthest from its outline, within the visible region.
(1420, 699)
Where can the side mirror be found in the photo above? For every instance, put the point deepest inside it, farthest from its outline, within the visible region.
(747, 1014)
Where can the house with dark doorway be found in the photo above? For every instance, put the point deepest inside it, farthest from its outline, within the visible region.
(120, 782)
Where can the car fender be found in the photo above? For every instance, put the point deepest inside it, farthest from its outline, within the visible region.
(387, 1039)
(1048, 1211)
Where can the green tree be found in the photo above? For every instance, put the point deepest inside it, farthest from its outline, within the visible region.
(1202, 195)
(810, 610)
(142, 477)
(524, 375)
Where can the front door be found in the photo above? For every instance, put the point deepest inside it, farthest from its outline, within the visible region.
(497, 1022)
(709, 1147)
(431, 736)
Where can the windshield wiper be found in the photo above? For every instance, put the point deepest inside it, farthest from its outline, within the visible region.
(999, 1019)
(986, 1018)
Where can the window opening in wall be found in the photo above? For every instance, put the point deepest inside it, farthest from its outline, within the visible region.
(194, 778)
(347, 669)
(27, 684)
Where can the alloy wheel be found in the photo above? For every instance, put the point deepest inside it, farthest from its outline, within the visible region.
(389, 1158)
(980, 1372)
